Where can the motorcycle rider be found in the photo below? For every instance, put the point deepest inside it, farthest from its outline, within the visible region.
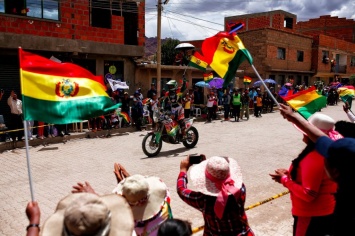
(172, 103)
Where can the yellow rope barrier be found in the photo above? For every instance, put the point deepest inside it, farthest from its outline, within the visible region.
(197, 229)
(15, 130)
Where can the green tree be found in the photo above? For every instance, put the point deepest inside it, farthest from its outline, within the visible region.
(168, 51)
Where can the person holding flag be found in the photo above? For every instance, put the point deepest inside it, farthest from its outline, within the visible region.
(312, 191)
(339, 164)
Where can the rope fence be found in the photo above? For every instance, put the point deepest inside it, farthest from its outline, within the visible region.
(197, 229)
(15, 130)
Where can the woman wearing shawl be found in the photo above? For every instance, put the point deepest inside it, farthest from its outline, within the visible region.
(220, 195)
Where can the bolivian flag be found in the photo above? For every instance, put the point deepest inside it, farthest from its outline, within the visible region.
(224, 53)
(125, 116)
(346, 92)
(60, 93)
(306, 102)
(247, 80)
(198, 61)
(207, 77)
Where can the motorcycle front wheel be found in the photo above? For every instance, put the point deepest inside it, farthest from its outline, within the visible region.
(150, 147)
(192, 138)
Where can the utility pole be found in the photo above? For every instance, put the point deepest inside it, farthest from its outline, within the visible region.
(159, 48)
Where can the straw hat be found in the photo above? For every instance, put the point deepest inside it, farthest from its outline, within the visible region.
(89, 214)
(145, 195)
(219, 168)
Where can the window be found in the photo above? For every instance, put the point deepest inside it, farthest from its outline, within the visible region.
(2, 6)
(299, 55)
(352, 61)
(325, 56)
(101, 14)
(281, 53)
(45, 9)
(288, 23)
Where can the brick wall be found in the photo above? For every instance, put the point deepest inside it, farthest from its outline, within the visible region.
(74, 24)
(273, 19)
(333, 46)
(334, 26)
(263, 45)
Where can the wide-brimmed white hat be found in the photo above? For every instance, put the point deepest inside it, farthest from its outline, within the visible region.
(325, 123)
(90, 214)
(145, 195)
(218, 167)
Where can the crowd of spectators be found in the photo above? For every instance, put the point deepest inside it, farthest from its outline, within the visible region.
(320, 181)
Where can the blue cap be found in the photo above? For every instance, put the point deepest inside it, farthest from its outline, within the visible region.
(341, 147)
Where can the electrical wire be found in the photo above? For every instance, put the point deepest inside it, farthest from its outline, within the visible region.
(195, 18)
(189, 22)
(203, 32)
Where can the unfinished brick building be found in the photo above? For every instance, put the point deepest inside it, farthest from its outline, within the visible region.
(284, 49)
(94, 34)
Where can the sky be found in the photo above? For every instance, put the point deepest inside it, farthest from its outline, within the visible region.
(197, 19)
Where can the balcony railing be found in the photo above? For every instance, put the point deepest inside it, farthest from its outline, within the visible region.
(339, 69)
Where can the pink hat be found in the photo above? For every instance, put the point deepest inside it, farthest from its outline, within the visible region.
(219, 168)
(220, 177)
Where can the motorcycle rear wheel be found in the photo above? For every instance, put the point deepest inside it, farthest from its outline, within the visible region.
(192, 138)
(150, 147)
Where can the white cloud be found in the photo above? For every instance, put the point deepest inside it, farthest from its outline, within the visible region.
(198, 19)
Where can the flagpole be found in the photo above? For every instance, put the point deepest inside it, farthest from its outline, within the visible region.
(26, 134)
(267, 89)
(28, 161)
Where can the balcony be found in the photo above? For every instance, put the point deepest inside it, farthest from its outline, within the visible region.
(339, 69)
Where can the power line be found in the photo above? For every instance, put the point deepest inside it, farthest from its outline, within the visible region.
(189, 22)
(195, 18)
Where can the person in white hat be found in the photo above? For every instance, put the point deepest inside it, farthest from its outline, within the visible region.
(147, 196)
(312, 191)
(339, 157)
(83, 214)
(219, 194)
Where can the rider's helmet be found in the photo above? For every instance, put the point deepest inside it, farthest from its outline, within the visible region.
(172, 85)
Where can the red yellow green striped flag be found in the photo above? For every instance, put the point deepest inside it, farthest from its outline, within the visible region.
(198, 62)
(247, 80)
(346, 92)
(60, 93)
(207, 77)
(125, 116)
(306, 102)
(224, 53)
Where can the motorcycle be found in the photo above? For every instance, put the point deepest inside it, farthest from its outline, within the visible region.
(168, 130)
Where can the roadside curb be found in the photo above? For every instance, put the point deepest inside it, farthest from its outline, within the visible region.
(5, 146)
(74, 135)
